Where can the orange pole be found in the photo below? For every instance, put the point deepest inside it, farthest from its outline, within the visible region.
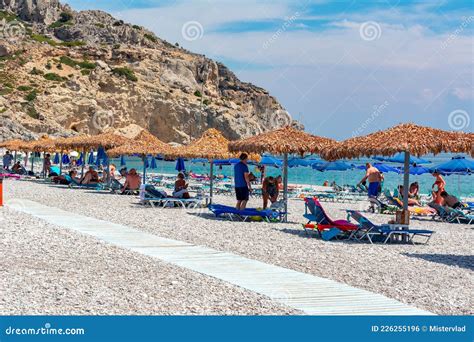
(1, 191)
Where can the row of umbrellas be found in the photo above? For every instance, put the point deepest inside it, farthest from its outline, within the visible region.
(408, 139)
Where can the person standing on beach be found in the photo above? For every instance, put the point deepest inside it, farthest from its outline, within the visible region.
(374, 178)
(242, 182)
(47, 165)
(7, 160)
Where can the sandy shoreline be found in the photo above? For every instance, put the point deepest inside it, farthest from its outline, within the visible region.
(436, 277)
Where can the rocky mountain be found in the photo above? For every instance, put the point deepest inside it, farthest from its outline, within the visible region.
(64, 72)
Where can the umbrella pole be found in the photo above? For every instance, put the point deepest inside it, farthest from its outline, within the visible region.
(108, 171)
(211, 164)
(83, 161)
(406, 180)
(44, 167)
(144, 169)
(61, 164)
(14, 157)
(285, 186)
(32, 161)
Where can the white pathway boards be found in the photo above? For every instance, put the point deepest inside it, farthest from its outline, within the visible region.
(311, 294)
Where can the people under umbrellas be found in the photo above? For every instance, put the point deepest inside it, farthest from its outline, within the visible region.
(374, 178)
(132, 181)
(438, 187)
(242, 182)
(7, 160)
(181, 187)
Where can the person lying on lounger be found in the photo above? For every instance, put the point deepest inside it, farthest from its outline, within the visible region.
(132, 182)
(181, 187)
(90, 177)
(450, 200)
(66, 179)
(411, 201)
(18, 169)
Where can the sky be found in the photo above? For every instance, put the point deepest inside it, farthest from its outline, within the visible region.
(342, 68)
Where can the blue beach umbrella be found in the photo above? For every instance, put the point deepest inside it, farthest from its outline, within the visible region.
(153, 163)
(230, 161)
(400, 158)
(381, 167)
(457, 165)
(56, 158)
(417, 170)
(147, 163)
(199, 160)
(91, 158)
(332, 166)
(66, 159)
(295, 162)
(80, 161)
(271, 161)
(122, 161)
(101, 153)
(180, 165)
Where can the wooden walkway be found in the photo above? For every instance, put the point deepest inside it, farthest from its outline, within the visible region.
(311, 294)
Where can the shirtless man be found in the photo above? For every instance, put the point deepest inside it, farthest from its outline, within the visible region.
(132, 181)
(374, 178)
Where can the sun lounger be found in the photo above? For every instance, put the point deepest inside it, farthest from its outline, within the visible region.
(382, 208)
(384, 233)
(149, 195)
(442, 213)
(243, 215)
(460, 216)
(414, 210)
(321, 220)
(75, 184)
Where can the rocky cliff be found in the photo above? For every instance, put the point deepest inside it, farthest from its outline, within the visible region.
(64, 72)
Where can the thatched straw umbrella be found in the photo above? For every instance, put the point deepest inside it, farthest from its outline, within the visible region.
(44, 144)
(408, 138)
(13, 145)
(143, 144)
(283, 141)
(211, 145)
(82, 143)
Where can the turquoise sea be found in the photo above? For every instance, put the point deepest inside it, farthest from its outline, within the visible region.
(460, 185)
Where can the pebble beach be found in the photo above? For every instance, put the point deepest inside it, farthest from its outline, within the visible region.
(49, 270)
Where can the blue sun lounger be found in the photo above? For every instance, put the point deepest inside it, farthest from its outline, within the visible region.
(383, 233)
(243, 215)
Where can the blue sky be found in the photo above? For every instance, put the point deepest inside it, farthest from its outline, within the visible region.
(342, 68)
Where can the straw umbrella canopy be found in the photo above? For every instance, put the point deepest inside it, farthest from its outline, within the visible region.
(13, 145)
(211, 145)
(143, 144)
(408, 138)
(82, 142)
(283, 141)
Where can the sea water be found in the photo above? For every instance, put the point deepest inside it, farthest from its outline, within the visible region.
(459, 185)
